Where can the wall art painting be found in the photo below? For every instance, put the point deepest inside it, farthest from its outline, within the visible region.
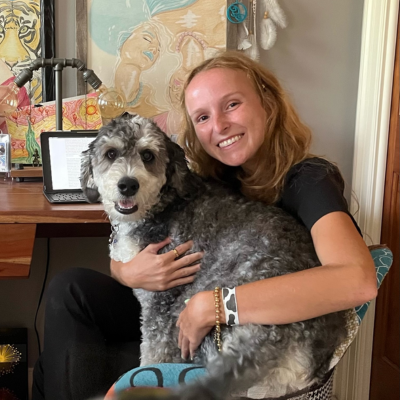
(26, 33)
(146, 48)
(26, 124)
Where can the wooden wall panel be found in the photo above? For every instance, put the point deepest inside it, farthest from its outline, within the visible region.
(16, 247)
(385, 372)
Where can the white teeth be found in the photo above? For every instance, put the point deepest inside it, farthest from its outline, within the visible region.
(126, 204)
(230, 141)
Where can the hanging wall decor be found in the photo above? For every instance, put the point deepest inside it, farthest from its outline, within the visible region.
(253, 51)
(272, 16)
(237, 12)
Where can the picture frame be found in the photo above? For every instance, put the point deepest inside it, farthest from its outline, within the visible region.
(81, 37)
(23, 40)
(194, 23)
(48, 48)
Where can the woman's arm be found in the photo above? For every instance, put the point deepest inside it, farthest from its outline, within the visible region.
(346, 279)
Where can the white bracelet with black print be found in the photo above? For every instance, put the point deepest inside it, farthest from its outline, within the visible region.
(230, 306)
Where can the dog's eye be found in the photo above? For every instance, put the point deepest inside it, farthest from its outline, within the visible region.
(111, 154)
(147, 156)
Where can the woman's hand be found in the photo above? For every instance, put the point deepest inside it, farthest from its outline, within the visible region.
(157, 272)
(196, 321)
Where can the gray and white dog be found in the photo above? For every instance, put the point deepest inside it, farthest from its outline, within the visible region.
(149, 193)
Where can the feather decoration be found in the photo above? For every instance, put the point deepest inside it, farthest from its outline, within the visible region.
(268, 33)
(243, 37)
(273, 16)
(253, 51)
(275, 13)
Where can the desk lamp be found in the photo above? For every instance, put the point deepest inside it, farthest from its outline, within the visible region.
(111, 102)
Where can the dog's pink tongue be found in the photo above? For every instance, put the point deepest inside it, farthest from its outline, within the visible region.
(126, 203)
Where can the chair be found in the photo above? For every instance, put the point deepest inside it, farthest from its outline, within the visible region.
(170, 375)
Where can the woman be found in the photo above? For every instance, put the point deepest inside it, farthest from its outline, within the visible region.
(239, 121)
(242, 129)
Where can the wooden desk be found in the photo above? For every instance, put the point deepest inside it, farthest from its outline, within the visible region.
(26, 214)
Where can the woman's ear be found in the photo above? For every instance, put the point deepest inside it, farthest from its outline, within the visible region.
(88, 185)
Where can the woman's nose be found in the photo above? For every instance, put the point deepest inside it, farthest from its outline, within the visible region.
(221, 123)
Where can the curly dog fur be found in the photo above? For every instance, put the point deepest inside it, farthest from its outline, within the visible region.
(149, 193)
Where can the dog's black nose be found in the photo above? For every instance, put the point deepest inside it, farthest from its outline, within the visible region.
(128, 186)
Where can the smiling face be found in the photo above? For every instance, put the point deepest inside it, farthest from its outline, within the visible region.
(227, 115)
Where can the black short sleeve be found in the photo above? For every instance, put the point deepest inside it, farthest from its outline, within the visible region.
(313, 188)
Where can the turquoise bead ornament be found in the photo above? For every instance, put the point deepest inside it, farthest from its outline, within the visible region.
(236, 12)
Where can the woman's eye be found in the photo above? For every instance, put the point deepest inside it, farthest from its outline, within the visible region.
(147, 156)
(202, 118)
(111, 154)
(233, 104)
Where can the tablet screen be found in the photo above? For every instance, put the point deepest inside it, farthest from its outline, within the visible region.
(65, 161)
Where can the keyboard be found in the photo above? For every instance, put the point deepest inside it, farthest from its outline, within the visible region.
(73, 197)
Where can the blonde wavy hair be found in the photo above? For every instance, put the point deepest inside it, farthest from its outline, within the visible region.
(286, 142)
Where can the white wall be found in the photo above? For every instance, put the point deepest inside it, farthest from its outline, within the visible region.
(317, 59)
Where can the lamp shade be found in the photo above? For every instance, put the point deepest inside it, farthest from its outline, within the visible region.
(111, 102)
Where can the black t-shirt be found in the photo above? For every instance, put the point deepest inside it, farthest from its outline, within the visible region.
(313, 188)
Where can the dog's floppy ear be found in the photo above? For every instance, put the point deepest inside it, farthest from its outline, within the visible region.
(88, 186)
(127, 115)
(186, 184)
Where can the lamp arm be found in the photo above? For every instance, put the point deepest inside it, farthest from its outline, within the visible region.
(26, 74)
(58, 64)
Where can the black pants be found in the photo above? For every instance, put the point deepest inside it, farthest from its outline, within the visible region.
(91, 336)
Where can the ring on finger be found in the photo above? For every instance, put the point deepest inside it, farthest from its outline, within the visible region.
(176, 253)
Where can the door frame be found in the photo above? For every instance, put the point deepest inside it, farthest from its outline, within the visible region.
(378, 46)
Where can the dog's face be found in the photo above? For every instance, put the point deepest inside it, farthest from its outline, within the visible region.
(128, 165)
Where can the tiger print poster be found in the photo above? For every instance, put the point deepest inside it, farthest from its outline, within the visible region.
(146, 48)
(20, 43)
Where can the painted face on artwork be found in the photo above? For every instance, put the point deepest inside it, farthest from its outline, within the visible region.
(142, 47)
(227, 114)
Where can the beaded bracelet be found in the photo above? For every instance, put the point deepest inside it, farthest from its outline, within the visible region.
(217, 331)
